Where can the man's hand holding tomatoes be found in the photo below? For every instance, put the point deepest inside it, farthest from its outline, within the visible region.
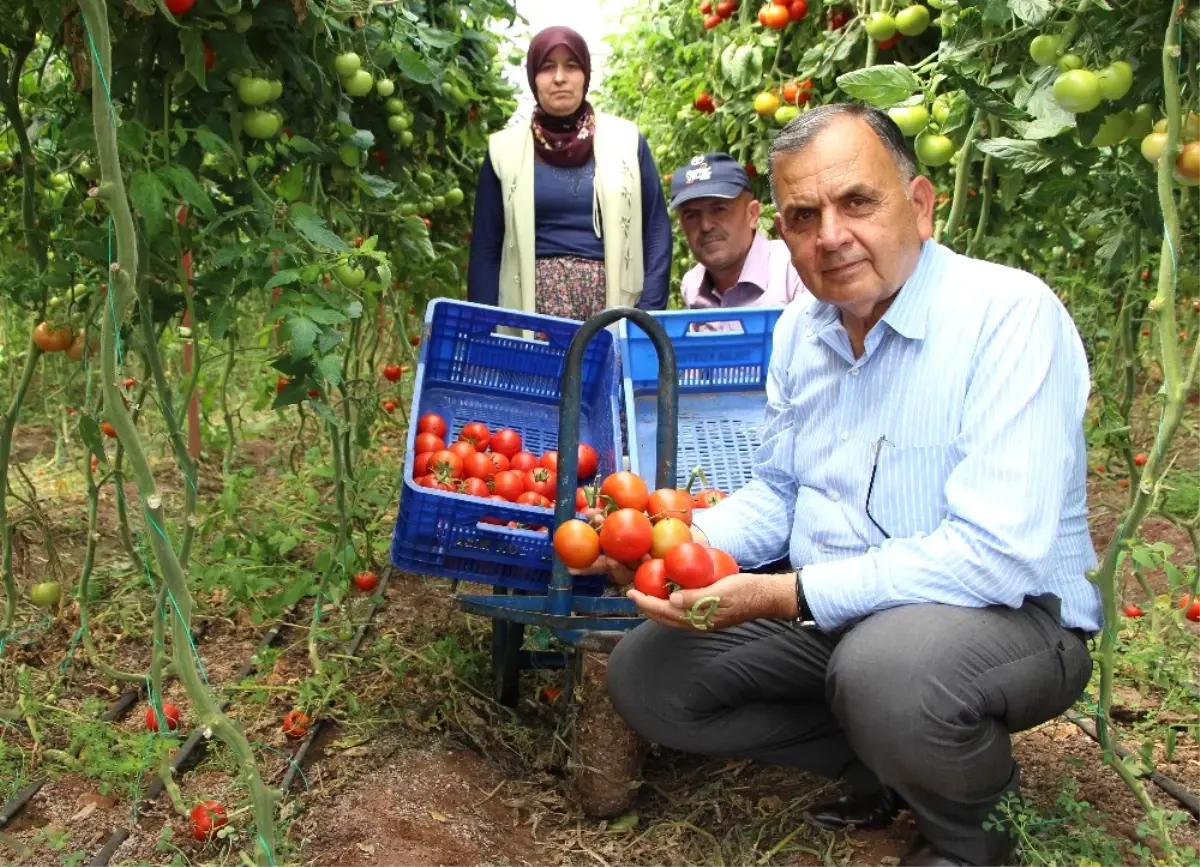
(743, 597)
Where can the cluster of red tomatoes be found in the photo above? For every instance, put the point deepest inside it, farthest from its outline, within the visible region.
(715, 13)
(651, 531)
(778, 14)
(492, 465)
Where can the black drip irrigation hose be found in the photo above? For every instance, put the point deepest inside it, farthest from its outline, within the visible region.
(193, 748)
(116, 711)
(351, 648)
(1171, 787)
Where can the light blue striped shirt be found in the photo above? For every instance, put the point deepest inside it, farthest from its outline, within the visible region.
(977, 381)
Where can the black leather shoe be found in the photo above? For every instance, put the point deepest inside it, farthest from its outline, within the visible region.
(925, 854)
(856, 812)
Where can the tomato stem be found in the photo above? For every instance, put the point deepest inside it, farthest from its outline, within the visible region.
(8, 423)
(701, 614)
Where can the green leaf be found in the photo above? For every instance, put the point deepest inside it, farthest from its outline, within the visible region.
(437, 38)
(881, 86)
(324, 315)
(363, 139)
(212, 142)
(413, 67)
(300, 144)
(300, 587)
(330, 367)
(89, 432)
(148, 196)
(192, 43)
(1026, 156)
(418, 234)
(378, 187)
(1143, 557)
(283, 278)
(218, 321)
(327, 340)
(291, 186)
(189, 188)
(1032, 12)
(303, 332)
(227, 255)
(989, 100)
(316, 231)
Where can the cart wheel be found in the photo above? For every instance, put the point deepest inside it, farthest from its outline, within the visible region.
(606, 754)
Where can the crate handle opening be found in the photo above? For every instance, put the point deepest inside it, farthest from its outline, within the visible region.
(694, 331)
(524, 336)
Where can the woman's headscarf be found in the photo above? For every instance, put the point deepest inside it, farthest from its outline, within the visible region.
(561, 141)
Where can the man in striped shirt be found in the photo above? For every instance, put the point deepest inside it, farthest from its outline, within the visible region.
(922, 466)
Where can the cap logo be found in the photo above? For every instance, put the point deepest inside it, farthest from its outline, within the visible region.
(698, 161)
(704, 173)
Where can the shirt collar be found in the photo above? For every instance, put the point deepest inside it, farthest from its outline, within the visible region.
(908, 314)
(756, 270)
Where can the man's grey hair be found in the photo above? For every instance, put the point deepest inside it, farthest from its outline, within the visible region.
(800, 132)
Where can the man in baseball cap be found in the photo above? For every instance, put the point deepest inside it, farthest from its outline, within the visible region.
(738, 265)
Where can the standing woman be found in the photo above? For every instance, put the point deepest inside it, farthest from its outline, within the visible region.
(570, 217)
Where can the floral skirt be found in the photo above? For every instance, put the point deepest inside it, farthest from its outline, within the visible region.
(569, 287)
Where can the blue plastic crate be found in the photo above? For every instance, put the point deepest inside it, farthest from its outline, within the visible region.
(469, 371)
(722, 391)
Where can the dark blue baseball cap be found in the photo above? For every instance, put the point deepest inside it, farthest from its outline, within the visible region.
(717, 175)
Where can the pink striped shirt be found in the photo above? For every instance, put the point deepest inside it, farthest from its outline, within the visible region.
(768, 279)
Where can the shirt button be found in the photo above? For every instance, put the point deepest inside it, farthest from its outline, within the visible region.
(845, 436)
(835, 496)
(854, 371)
(809, 333)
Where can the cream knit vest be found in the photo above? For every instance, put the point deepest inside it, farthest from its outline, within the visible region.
(616, 211)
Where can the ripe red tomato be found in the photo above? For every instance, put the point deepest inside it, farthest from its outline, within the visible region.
(890, 42)
(522, 461)
(479, 466)
(651, 579)
(1132, 610)
(421, 464)
(366, 581)
(476, 433)
(670, 503)
(541, 480)
(723, 564)
(589, 461)
(392, 372)
(726, 8)
(170, 714)
(506, 441)
(1140, 459)
(475, 487)
(797, 9)
(389, 406)
(549, 460)
(178, 7)
(711, 21)
(499, 461)
(427, 442)
(295, 723)
(838, 18)
(533, 498)
(509, 484)
(108, 430)
(463, 449)
(432, 423)
(1191, 608)
(207, 816)
(690, 566)
(706, 7)
(666, 534)
(281, 383)
(446, 464)
(576, 543)
(210, 60)
(626, 535)
(708, 498)
(626, 490)
(775, 17)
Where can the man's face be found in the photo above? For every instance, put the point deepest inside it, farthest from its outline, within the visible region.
(720, 231)
(853, 226)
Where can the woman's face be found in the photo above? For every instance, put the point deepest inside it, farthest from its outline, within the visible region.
(559, 83)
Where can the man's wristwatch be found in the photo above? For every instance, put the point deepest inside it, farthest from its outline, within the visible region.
(804, 615)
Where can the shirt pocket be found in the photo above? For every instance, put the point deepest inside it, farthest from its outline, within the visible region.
(909, 494)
